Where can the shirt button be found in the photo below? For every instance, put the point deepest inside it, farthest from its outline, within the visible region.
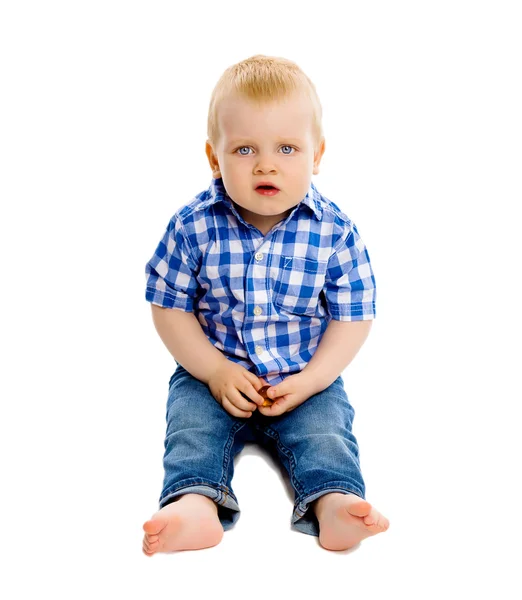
(259, 350)
(259, 256)
(258, 310)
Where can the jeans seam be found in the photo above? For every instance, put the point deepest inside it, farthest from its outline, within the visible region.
(226, 454)
(289, 454)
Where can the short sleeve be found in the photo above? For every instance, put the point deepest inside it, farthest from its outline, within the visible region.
(350, 283)
(170, 273)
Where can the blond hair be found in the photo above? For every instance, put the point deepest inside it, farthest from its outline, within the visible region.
(263, 79)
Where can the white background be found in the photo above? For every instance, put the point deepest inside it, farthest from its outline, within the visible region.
(102, 133)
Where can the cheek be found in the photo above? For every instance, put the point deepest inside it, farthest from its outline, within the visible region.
(234, 166)
(303, 161)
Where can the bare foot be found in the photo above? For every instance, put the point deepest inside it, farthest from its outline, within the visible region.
(346, 519)
(189, 523)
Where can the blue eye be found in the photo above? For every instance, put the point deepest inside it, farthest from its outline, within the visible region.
(247, 148)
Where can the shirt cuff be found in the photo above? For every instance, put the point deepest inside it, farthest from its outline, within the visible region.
(363, 311)
(169, 300)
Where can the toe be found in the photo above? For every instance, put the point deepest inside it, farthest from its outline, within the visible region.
(154, 526)
(150, 547)
(359, 508)
(368, 520)
(151, 544)
(380, 523)
(372, 519)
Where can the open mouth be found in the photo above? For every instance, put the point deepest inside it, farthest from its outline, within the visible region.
(267, 190)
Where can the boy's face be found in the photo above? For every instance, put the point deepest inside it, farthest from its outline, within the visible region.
(273, 142)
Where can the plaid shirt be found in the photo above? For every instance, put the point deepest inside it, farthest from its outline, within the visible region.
(264, 301)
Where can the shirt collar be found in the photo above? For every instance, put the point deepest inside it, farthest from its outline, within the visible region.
(217, 193)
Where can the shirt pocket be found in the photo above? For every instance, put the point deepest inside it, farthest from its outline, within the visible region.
(298, 284)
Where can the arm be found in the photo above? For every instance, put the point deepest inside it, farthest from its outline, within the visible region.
(349, 292)
(199, 357)
(184, 338)
(339, 345)
(172, 288)
(350, 295)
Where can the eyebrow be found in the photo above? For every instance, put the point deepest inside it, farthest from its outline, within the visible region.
(235, 141)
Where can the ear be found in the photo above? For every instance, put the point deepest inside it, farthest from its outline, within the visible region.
(318, 154)
(212, 160)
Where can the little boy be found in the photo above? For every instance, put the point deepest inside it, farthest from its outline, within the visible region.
(261, 281)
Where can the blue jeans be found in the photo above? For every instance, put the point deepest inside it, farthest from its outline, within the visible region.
(314, 442)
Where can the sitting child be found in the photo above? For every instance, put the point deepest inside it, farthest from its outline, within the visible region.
(261, 281)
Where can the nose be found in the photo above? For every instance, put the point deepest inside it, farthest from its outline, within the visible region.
(265, 164)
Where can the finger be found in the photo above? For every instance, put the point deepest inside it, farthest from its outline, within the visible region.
(290, 385)
(281, 405)
(272, 411)
(276, 391)
(257, 382)
(251, 393)
(241, 401)
(233, 410)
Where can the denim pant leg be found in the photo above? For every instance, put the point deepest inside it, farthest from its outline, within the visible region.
(316, 445)
(201, 442)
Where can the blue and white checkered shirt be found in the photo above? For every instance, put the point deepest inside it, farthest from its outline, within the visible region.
(264, 301)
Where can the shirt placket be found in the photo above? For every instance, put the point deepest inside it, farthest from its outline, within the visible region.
(257, 310)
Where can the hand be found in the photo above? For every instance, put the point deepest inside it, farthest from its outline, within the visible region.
(288, 394)
(228, 382)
